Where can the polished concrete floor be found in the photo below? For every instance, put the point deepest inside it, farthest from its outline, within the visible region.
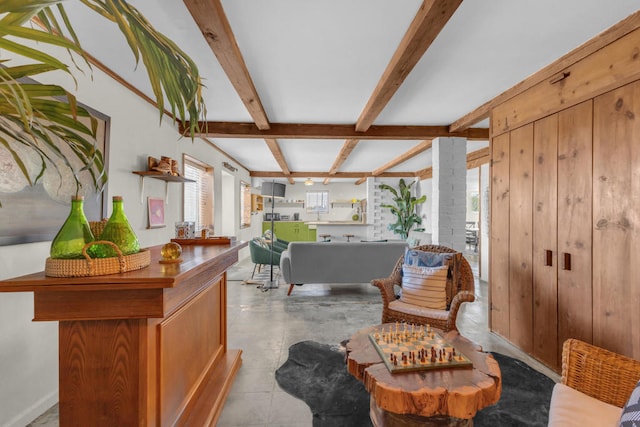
(265, 324)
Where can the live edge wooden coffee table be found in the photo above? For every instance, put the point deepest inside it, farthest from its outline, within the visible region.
(442, 396)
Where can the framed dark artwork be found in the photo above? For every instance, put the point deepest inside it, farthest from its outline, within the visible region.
(36, 213)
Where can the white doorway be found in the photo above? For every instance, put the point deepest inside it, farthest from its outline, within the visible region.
(228, 205)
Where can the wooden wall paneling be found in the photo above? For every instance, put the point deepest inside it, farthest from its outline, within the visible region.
(545, 241)
(575, 192)
(610, 67)
(616, 233)
(196, 327)
(499, 247)
(520, 238)
(99, 368)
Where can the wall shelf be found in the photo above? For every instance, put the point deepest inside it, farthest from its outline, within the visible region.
(162, 177)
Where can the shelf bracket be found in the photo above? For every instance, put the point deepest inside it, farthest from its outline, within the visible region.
(141, 189)
(166, 193)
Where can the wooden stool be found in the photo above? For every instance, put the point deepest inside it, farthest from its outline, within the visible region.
(348, 236)
(324, 237)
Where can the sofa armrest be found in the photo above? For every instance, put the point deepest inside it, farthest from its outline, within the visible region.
(599, 373)
(285, 266)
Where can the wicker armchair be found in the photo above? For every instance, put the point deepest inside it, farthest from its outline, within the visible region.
(441, 319)
(599, 373)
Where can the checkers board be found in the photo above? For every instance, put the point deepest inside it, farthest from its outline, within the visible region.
(407, 351)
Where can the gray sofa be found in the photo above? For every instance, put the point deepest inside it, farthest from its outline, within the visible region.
(339, 262)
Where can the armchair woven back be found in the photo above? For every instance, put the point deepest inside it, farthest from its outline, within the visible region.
(465, 279)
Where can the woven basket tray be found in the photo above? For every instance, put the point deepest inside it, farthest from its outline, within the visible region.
(97, 266)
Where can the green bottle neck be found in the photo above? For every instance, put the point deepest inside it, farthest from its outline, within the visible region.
(118, 209)
(77, 207)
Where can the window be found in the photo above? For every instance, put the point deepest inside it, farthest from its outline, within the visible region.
(318, 202)
(245, 205)
(198, 195)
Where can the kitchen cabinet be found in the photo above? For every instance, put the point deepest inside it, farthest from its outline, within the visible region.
(257, 203)
(291, 231)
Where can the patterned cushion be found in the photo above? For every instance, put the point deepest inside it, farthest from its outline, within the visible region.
(425, 286)
(261, 242)
(631, 412)
(415, 257)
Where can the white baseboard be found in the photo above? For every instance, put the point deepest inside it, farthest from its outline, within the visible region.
(34, 411)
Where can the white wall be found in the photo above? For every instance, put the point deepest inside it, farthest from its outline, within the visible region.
(28, 350)
(337, 191)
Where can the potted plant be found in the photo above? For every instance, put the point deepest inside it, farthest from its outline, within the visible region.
(404, 208)
(38, 119)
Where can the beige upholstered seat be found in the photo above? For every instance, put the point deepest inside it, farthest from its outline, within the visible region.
(394, 310)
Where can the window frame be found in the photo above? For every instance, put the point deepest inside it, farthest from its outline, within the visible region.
(245, 204)
(206, 171)
(311, 200)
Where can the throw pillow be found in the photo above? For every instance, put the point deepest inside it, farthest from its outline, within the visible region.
(262, 242)
(420, 258)
(453, 260)
(631, 411)
(425, 286)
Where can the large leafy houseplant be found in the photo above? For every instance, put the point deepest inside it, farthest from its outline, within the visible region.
(404, 208)
(44, 121)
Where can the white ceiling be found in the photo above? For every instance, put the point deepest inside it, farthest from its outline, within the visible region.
(319, 62)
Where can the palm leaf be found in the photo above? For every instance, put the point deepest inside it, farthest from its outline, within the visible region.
(45, 119)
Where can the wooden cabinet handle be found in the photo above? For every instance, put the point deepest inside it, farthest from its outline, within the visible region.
(567, 261)
(548, 255)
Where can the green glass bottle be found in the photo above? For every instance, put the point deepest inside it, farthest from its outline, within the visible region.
(119, 231)
(74, 234)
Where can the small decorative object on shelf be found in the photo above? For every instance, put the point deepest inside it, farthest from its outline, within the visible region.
(171, 253)
(74, 234)
(166, 165)
(119, 231)
(185, 230)
(212, 240)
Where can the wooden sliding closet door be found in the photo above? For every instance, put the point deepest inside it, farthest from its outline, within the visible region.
(616, 220)
(575, 190)
(499, 247)
(545, 241)
(520, 238)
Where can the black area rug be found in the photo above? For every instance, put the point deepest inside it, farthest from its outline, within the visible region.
(317, 374)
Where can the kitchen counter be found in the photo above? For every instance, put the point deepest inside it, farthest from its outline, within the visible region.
(335, 223)
(337, 231)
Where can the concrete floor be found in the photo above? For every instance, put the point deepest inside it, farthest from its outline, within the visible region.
(265, 324)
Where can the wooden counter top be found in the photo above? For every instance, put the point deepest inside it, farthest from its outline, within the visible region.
(157, 275)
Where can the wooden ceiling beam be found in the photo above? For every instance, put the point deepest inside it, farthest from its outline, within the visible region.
(426, 173)
(346, 150)
(210, 17)
(423, 146)
(425, 27)
(331, 131)
(274, 147)
(474, 160)
(272, 174)
(622, 28)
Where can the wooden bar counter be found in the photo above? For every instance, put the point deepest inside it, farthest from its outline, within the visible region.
(143, 348)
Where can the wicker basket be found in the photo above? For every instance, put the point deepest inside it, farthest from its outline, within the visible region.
(97, 227)
(97, 266)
